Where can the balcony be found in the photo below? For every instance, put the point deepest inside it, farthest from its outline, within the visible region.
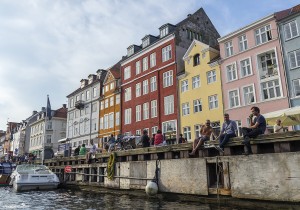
(269, 71)
(48, 145)
(79, 104)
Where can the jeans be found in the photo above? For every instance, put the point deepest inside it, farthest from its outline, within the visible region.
(250, 133)
(224, 138)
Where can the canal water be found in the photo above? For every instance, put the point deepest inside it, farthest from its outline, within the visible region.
(76, 199)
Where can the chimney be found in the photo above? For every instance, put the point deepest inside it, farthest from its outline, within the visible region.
(34, 112)
(43, 108)
(64, 105)
(189, 15)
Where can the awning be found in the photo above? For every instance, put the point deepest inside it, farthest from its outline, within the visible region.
(63, 140)
(288, 117)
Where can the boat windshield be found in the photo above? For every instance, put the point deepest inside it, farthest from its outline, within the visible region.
(29, 167)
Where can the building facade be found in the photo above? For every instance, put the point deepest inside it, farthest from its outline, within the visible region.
(200, 91)
(110, 105)
(83, 112)
(252, 70)
(148, 75)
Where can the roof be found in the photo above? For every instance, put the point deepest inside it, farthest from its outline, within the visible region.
(286, 13)
(116, 70)
(61, 112)
(214, 59)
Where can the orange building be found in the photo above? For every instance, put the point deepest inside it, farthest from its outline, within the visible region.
(110, 105)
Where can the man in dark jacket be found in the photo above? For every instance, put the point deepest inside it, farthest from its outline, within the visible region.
(145, 139)
(76, 151)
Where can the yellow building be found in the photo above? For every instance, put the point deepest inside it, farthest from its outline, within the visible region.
(200, 94)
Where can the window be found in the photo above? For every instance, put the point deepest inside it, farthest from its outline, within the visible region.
(211, 76)
(290, 30)
(164, 32)
(187, 133)
(228, 49)
(271, 89)
(146, 42)
(152, 60)
(71, 116)
(268, 63)
(294, 58)
(94, 107)
(197, 131)
(169, 104)
(185, 109)
(88, 95)
(94, 92)
(169, 126)
(128, 94)
(127, 73)
(166, 53)
(106, 121)
(145, 63)
(263, 35)
(246, 69)
(197, 105)
(106, 88)
(154, 130)
(234, 99)
(117, 118)
(71, 102)
(111, 101)
(146, 111)
(213, 102)
(127, 116)
(111, 120)
(145, 87)
(296, 84)
(138, 67)
(130, 51)
(153, 108)
(112, 85)
(249, 95)
(138, 90)
(101, 105)
(87, 110)
(196, 82)
(231, 72)
(196, 59)
(106, 103)
(82, 96)
(168, 78)
(48, 139)
(243, 45)
(184, 85)
(138, 113)
(49, 125)
(138, 132)
(118, 99)
(153, 84)
(77, 98)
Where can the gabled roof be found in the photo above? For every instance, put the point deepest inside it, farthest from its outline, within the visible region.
(288, 12)
(61, 112)
(194, 43)
(115, 71)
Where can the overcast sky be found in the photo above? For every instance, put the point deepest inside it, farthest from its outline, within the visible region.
(48, 46)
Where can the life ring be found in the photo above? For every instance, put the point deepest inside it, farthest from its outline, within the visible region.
(111, 166)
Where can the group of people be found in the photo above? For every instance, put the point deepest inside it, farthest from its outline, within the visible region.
(157, 139)
(229, 129)
(81, 150)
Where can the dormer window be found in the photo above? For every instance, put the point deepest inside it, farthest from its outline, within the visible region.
(130, 51)
(146, 42)
(196, 59)
(91, 79)
(164, 31)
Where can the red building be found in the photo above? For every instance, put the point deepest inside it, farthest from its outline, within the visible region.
(148, 75)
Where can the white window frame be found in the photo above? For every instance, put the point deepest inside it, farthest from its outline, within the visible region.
(261, 32)
(185, 108)
(146, 111)
(296, 82)
(231, 70)
(105, 125)
(101, 105)
(128, 94)
(127, 73)
(153, 84)
(168, 79)
(169, 104)
(187, 133)
(152, 60)
(211, 76)
(246, 94)
(197, 104)
(184, 86)
(154, 130)
(138, 67)
(117, 118)
(88, 96)
(106, 103)
(213, 102)
(127, 115)
(196, 82)
(112, 85)
(94, 92)
(228, 48)
(145, 63)
(166, 53)
(242, 67)
(243, 43)
(145, 87)
(234, 96)
(138, 112)
(111, 101)
(269, 88)
(288, 29)
(153, 108)
(118, 99)
(138, 89)
(294, 55)
(111, 120)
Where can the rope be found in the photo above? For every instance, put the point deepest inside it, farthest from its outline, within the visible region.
(111, 166)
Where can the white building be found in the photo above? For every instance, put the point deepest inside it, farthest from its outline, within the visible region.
(83, 112)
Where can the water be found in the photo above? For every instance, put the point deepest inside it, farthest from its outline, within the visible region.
(63, 199)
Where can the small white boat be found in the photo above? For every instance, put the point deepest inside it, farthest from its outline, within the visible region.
(33, 177)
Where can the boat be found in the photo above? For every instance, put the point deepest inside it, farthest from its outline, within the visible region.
(33, 177)
(6, 170)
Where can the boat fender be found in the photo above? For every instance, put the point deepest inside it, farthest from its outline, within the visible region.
(151, 188)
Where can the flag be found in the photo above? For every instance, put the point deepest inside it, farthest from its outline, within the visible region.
(48, 110)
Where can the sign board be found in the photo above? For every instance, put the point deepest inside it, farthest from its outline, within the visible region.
(68, 169)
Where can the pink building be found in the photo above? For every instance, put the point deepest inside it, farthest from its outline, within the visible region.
(252, 70)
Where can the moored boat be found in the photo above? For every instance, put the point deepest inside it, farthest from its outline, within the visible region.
(5, 172)
(33, 177)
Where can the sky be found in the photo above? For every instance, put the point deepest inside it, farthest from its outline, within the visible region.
(48, 46)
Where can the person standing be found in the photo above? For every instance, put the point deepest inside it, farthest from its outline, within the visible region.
(181, 139)
(145, 139)
(82, 150)
(257, 126)
(229, 130)
(159, 139)
(92, 151)
(278, 127)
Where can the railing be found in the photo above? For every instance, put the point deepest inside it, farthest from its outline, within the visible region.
(267, 72)
(79, 104)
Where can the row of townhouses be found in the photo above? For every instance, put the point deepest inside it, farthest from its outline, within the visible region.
(176, 80)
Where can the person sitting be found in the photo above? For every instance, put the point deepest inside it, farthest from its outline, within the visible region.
(278, 127)
(181, 139)
(82, 150)
(92, 151)
(111, 142)
(257, 126)
(76, 151)
(158, 139)
(205, 132)
(229, 130)
(145, 139)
